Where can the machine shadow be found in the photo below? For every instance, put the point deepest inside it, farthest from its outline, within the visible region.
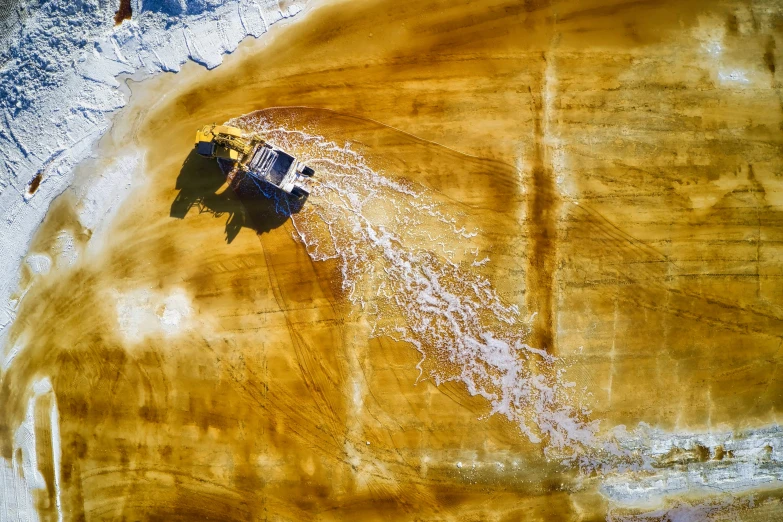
(246, 202)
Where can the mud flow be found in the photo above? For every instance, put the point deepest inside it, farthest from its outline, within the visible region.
(533, 227)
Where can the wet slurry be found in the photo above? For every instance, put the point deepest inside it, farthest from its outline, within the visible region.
(408, 263)
(511, 197)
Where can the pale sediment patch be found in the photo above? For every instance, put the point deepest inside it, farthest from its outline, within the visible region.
(39, 263)
(145, 312)
(727, 67)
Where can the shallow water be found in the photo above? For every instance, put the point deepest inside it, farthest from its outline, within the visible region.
(589, 180)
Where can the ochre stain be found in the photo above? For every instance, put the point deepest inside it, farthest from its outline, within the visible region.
(769, 55)
(543, 204)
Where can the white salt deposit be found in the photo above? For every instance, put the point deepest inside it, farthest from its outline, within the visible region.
(648, 465)
(39, 263)
(57, 452)
(24, 442)
(16, 497)
(174, 311)
(100, 199)
(709, 34)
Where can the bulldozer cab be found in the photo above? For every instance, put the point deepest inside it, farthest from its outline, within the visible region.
(220, 141)
(255, 157)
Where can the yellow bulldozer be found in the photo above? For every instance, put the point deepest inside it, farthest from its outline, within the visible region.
(255, 157)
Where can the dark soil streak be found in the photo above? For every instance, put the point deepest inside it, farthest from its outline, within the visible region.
(769, 55)
(542, 230)
(123, 13)
(35, 183)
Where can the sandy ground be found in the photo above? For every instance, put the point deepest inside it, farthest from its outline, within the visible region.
(621, 163)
